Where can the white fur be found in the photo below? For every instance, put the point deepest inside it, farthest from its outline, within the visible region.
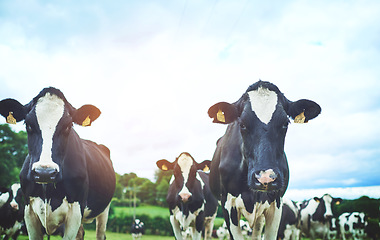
(4, 198)
(15, 187)
(49, 110)
(263, 103)
(185, 162)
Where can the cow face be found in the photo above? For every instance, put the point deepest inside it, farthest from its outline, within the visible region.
(48, 119)
(261, 116)
(325, 206)
(185, 182)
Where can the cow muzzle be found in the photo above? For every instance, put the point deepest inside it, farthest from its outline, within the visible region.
(266, 180)
(45, 174)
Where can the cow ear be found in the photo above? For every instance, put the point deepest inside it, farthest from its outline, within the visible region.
(223, 112)
(164, 165)
(85, 115)
(317, 199)
(303, 110)
(338, 201)
(12, 110)
(204, 166)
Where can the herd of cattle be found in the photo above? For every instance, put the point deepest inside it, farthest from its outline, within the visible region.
(67, 181)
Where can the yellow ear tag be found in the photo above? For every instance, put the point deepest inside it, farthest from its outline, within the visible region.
(300, 118)
(220, 116)
(206, 169)
(11, 119)
(164, 167)
(337, 203)
(86, 122)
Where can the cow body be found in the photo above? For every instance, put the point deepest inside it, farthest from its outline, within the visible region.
(289, 224)
(316, 214)
(353, 224)
(11, 212)
(191, 203)
(249, 171)
(65, 179)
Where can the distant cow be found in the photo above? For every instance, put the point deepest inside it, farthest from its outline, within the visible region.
(66, 180)
(290, 221)
(222, 232)
(249, 171)
(353, 224)
(11, 212)
(137, 229)
(316, 214)
(189, 197)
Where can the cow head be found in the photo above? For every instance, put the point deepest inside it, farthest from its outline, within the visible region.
(262, 117)
(185, 181)
(324, 210)
(49, 122)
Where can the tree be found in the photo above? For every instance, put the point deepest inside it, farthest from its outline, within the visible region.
(13, 151)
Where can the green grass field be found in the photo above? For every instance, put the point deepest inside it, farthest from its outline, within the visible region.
(90, 235)
(152, 211)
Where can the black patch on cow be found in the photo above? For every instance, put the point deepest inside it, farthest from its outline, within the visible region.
(320, 211)
(234, 216)
(288, 217)
(346, 227)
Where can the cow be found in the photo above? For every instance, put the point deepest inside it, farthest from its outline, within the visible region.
(290, 220)
(353, 224)
(12, 212)
(190, 200)
(316, 214)
(137, 229)
(249, 170)
(65, 179)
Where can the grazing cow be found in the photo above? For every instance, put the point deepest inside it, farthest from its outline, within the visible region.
(249, 171)
(65, 179)
(316, 214)
(353, 224)
(190, 200)
(137, 229)
(290, 220)
(12, 212)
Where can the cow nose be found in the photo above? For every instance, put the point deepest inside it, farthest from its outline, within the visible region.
(14, 206)
(266, 177)
(45, 174)
(185, 197)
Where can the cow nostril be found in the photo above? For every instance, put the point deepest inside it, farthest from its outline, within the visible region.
(45, 174)
(185, 197)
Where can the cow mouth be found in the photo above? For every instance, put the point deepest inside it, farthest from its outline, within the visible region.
(44, 175)
(266, 187)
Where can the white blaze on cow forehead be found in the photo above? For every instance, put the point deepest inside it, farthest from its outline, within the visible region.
(15, 187)
(49, 110)
(185, 162)
(263, 103)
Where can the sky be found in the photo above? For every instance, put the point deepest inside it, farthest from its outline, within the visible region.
(155, 67)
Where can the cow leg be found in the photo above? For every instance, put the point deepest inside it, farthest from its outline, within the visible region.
(272, 220)
(73, 221)
(176, 228)
(101, 224)
(258, 226)
(199, 223)
(209, 225)
(33, 224)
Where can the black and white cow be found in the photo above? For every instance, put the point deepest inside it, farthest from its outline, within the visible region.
(334, 230)
(290, 220)
(353, 224)
(65, 179)
(190, 200)
(316, 214)
(11, 212)
(249, 171)
(137, 229)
